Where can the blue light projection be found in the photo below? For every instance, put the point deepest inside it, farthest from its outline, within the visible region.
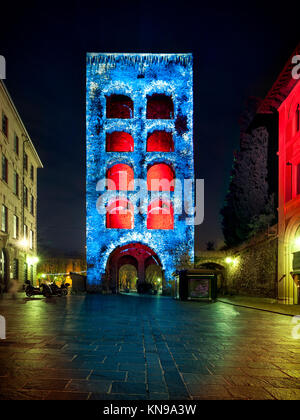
(137, 76)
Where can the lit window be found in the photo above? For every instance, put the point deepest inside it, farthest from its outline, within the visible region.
(160, 141)
(16, 184)
(4, 218)
(298, 179)
(119, 141)
(31, 238)
(122, 177)
(160, 215)
(160, 177)
(160, 106)
(4, 169)
(119, 106)
(25, 232)
(120, 214)
(16, 227)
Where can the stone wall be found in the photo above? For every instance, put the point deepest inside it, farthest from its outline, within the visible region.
(254, 270)
(250, 269)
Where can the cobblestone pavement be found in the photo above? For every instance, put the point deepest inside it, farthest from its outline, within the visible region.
(122, 347)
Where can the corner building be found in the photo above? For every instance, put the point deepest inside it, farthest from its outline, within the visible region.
(18, 196)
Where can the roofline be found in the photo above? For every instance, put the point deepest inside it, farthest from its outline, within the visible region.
(281, 88)
(40, 165)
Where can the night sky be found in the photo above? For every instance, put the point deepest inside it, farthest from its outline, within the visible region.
(239, 49)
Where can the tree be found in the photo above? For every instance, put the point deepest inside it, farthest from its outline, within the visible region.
(249, 207)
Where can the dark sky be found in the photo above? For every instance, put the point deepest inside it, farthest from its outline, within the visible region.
(239, 49)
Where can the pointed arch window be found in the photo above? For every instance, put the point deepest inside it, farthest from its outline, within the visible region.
(160, 215)
(122, 177)
(120, 214)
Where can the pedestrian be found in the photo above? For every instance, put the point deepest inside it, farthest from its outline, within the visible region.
(13, 288)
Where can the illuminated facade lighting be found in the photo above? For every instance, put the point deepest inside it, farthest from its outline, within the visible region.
(140, 123)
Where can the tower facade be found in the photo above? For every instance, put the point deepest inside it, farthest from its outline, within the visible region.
(139, 167)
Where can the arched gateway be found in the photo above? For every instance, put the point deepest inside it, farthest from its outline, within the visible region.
(133, 264)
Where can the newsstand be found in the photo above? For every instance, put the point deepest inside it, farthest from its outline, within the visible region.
(196, 284)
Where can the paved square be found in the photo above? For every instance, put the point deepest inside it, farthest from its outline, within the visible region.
(141, 348)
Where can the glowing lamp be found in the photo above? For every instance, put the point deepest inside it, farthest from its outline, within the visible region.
(235, 262)
(228, 260)
(24, 243)
(297, 242)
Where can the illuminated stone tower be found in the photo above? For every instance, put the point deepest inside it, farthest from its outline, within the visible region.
(139, 129)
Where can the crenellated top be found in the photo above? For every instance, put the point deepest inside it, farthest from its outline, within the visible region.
(139, 59)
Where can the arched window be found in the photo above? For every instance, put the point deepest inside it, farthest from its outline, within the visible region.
(160, 141)
(119, 106)
(160, 177)
(119, 141)
(122, 176)
(160, 106)
(160, 215)
(120, 214)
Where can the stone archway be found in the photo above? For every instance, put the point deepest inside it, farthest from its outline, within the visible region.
(220, 271)
(136, 254)
(288, 289)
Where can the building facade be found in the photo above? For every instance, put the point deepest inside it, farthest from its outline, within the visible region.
(18, 196)
(139, 152)
(289, 198)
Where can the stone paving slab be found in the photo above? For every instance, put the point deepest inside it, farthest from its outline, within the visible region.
(141, 348)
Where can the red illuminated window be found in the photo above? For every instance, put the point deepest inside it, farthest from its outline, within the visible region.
(160, 177)
(160, 106)
(288, 182)
(120, 214)
(160, 141)
(160, 215)
(298, 119)
(298, 179)
(122, 176)
(119, 106)
(119, 141)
